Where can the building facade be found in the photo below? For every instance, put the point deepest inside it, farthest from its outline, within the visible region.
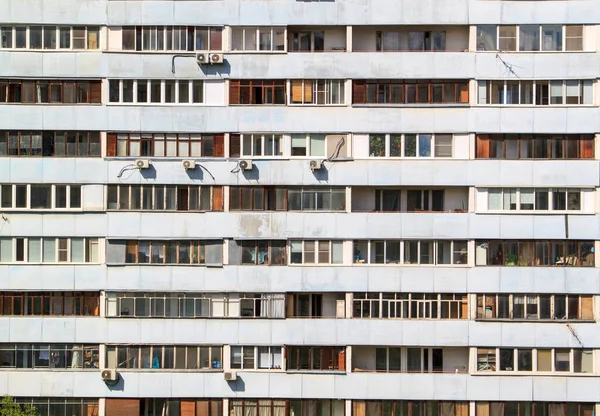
(300, 208)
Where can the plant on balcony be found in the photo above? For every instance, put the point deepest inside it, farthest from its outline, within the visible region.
(377, 145)
(8, 407)
(511, 260)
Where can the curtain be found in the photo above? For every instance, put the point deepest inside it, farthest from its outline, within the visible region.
(497, 409)
(557, 409)
(359, 408)
(482, 409)
(390, 41)
(447, 409)
(76, 358)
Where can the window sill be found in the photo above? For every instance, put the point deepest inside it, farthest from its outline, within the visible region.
(411, 265)
(532, 52)
(49, 263)
(331, 372)
(155, 265)
(556, 266)
(533, 212)
(113, 104)
(538, 321)
(55, 104)
(87, 370)
(170, 370)
(165, 158)
(534, 106)
(531, 373)
(412, 105)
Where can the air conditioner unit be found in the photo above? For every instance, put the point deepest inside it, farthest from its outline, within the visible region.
(216, 58)
(245, 164)
(316, 164)
(109, 375)
(189, 164)
(142, 163)
(230, 375)
(202, 58)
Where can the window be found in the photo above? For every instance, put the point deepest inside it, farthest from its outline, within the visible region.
(388, 360)
(410, 92)
(50, 91)
(256, 358)
(524, 146)
(257, 38)
(534, 307)
(414, 408)
(290, 199)
(48, 143)
(190, 305)
(165, 197)
(303, 358)
(409, 306)
(165, 145)
(49, 250)
(263, 252)
(537, 360)
(40, 196)
(439, 252)
(165, 252)
(257, 92)
(59, 406)
(531, 38)
(316, 252)
(306, 41)
(317, 91)
(158, 357)
(50, 303)
(574, 38)
(169, 38)
(49, 37)
(156, 91)
(410, 41)
(535, 253)
(410, 145)
(487, 38)
(256, 145)
(534, 199)
(49, 356)
(319, 145)
(521, 92)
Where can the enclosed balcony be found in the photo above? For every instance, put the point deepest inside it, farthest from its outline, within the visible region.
(316, 305)
(410, 38)
(317, 39)
(367, 199)
(409, 360)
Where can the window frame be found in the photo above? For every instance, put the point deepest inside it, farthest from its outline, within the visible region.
(177, 84)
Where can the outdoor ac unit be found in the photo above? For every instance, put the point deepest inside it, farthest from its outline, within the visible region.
(230, 375)
(109, 375)
(245, 164)
(142, 163)
(202, 58)
(189, 164)
(216, 58)
(316, 164)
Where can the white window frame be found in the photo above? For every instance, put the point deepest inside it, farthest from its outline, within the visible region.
(388, 143)
(368, 256)
(316, 252)
(87, 241)
(583, 85)
(534, 361)
(550, 191)
(264, 138)
(162, 101)
(328, 83)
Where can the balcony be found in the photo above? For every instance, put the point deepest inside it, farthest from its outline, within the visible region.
(317, 39)
(410, 38)
(409, 360)
(448, 199)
